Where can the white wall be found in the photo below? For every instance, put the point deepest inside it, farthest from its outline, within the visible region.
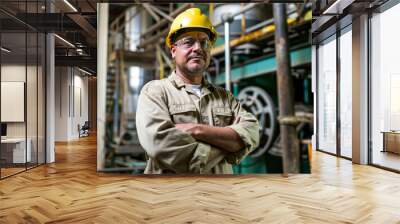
(80, 110)
(33, 126)
(12, 73)
(71, 94)
(61, 103)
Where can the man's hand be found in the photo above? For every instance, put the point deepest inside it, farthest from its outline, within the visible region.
(221, 137)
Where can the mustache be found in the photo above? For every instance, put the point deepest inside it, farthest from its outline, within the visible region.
(197, 56)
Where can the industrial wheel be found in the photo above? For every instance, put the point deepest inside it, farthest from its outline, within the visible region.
(258, 102)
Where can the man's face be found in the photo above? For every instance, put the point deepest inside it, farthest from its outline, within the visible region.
(191, 52)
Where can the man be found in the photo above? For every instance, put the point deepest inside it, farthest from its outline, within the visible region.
(185, 124)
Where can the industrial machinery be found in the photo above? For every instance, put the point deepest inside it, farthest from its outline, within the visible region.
(137, 54)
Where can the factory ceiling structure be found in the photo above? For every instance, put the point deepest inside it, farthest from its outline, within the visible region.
(73, 23)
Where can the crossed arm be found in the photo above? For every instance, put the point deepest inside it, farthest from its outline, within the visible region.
(190, 148)
(222, 137)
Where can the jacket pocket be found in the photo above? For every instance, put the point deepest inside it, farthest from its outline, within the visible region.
(183, 113)
(222, 116)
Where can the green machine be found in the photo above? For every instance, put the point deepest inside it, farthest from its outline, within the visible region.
(257, 92)
(253, 75)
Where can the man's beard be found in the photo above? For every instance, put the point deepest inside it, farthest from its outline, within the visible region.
(193, 70)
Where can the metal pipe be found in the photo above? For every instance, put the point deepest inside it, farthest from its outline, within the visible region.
(160, 62)
(127, 20)
(114, 25)
(216, 62)
(249, 37)
(289, 141)
(151, 12)
(227, 54)
(252, 33)
(243, 10)
(164, 55)
(158, 25)
(260, 25)
(211, 10)
(264, 23)
(243, 21)
(153, 39)
(161, 13)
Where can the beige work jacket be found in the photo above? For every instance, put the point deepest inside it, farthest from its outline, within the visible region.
(164, 103)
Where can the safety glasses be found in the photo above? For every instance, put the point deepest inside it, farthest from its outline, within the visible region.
(189, 42)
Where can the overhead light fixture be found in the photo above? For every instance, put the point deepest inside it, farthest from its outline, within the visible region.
(84, 71)
(64, 40)
(70, 5)
(5, 50)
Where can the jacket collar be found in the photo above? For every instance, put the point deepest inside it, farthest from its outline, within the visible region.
(179, 83)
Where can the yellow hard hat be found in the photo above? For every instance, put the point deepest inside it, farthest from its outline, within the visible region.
(191, 19)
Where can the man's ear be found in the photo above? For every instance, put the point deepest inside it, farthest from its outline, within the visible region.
(173, 50)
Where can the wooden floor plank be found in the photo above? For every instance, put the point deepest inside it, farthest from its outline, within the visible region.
(71, 191)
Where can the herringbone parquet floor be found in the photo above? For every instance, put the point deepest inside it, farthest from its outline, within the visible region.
(71, 191)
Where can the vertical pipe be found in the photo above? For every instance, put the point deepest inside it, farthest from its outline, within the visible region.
(360, 60)
(211, 10)
(369, 89)
(289, 141)
(227, 57)
(243, 21)
(306, 87)
(26, 87)
(316, 95)
(102, 43)
(44, 69)
(50, 92)
(338, 96)
(235, 90)
(37, 90)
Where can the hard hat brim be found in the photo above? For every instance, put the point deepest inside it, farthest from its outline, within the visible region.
(211, 35)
